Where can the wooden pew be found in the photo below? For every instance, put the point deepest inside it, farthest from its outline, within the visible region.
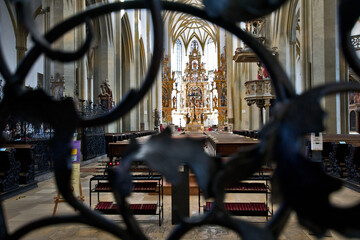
(9, 170)
(116, 145)
(247, 133)
(337, 138)
(117, 149)
(226, 144)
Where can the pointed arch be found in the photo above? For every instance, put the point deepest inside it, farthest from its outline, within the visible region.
(126, 36)
(144, 121)
(103, 26)
(127, 50)
(194, 38)
(294, 14)
(142, 58)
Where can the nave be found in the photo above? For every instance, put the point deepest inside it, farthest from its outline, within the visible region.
(39, 202)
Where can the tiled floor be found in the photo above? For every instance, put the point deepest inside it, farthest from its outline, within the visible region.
(39, 202)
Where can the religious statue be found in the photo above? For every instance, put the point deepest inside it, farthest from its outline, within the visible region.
(187, 68)
(208, 102)
(57, 86)
(105, 96)
(223, 96)
(182, 102)
(356, 97)
(260, 72)
(215, 101)
(266, 74)
(187, 117)
(197, 103)
(195, 65)
(156, 117)
(38, 86)
(174, 102)
(194, 120)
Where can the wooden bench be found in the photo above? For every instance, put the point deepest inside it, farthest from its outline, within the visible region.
(225, 144)
(247, 133)
(114, 146)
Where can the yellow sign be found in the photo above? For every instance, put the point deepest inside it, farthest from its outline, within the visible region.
(74, 151)
(75, 179)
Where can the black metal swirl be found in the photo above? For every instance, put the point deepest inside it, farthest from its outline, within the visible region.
(281, 138)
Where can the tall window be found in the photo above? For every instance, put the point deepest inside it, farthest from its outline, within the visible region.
(211, 55)
(352, 121)
(178, 49)
(194, 44)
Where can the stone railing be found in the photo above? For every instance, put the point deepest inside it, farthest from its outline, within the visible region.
(258, 90)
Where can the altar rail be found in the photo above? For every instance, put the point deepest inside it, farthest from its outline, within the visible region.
(247, 133)
(117, 137)
(93, 142)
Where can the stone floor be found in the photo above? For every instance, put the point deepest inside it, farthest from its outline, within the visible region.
(39, 202)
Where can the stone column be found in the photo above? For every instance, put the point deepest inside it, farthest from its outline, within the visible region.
(326, 58)
(118, 63)
(80, 73)
(47, 62)
(261, 117)
(267, 109)
(59, 10)
(135, 73)
(303, 43)
(229, 74)
(260, 104)
(149, 54)
(245, 110)
(90, 86)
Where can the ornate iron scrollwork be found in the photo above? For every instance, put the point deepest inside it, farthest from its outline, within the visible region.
(281, 138)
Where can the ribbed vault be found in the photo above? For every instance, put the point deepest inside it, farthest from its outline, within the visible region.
(185, 27)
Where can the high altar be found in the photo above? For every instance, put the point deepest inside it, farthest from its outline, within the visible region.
(199, 99)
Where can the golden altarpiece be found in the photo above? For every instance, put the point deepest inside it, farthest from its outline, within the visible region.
(168, 104)
(199, 100)
(220, 103)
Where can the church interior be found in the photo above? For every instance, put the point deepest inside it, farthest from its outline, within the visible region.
(242, 124)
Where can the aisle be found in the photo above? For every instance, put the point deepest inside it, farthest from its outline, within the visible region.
(38, 203)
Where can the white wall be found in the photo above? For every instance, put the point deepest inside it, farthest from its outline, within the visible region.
(8, 44)
(7, 36)
(356, 29)
(38, 67)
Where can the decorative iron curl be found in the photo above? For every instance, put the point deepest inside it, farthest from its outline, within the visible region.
(63, 116)
(280, 138)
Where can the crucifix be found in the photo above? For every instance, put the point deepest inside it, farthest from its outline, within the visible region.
(194, 110)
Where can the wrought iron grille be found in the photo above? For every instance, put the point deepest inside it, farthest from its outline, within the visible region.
(281, 138)
(356, 41)
(92, 138)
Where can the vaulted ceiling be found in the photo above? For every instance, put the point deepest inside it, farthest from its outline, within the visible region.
(186, 28)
